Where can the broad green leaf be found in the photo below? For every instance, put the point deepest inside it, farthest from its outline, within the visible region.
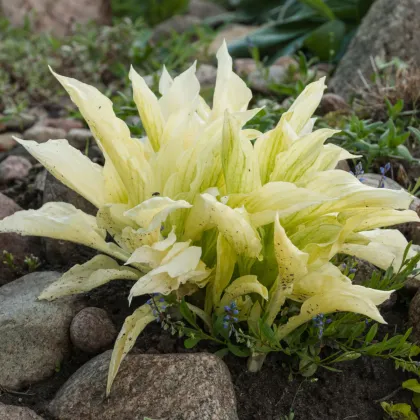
(325, 41)
(321, 7)
(83, 278)
(62, 221)
(412, 385)
(133, 326)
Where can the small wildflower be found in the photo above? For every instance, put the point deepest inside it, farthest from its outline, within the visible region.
(233, 305)
(234, 319)
(227, 318)
(227, 308)
(235, 312)
(225, 325)
(352, 270)
(358, 172)
(328, 321)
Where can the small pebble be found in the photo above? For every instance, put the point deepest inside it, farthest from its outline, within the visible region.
(92, 330)
(14, 167)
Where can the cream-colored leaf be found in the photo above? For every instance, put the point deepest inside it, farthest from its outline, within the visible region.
(306, 104)
(292, 164)
(61, 221)
(71, 167)
(270, 144)
(183, 92)
(150, 214)
(244, 285)
(240, 164)
(233, 224)
(133, 326)
(334, 300)
(231, 92)
(149, 109)
(386, 248)
(113, 136)
(226, 260)
(100, 270)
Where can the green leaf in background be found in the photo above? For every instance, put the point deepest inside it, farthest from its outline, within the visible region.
(320, 7)
(412, 385)
(325, 41)
(189, 343)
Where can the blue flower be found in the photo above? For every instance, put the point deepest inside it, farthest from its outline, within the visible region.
(227, 318)
(227, 308)
(225, 325)
(235, 312)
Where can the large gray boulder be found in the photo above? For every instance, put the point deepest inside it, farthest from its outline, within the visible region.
(34, 334)
(171, 386)
(390, 29)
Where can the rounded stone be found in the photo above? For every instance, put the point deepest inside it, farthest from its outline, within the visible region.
(92, 330)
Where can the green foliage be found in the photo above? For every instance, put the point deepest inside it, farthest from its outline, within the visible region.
(323, 343)
(399, 411)
(30, 263)
(100, 55)
(374, 140)
(324, 27)
(152, 11)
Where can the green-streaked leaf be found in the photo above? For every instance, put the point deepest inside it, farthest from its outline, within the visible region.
(242, 286)
(240, 164)
(100, 270)
(133, 326)
(62, 221)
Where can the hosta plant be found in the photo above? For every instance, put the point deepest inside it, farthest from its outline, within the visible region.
(205, 211)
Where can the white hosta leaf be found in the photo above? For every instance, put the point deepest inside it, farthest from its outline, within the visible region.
(231, 92)
(61, 221)
(180, 265)
(306, 104)
(270, 144)
(347, 193)
(165, 81)
(182, 93)
(292, 265)
(133, 326)
(372, 218)
(149, 109)
(226, 260)
(71, 167)
(386, 248)
(153, 254)
(233, 224)
(242, 286)
(292, 262)
(329, 157)
(100, 270)
(240, 164)
(355, 299)
(283, 198)
(113, 136)
(153, 212)
(292, 164)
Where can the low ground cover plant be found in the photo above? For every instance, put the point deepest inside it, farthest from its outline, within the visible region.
(240, 231)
